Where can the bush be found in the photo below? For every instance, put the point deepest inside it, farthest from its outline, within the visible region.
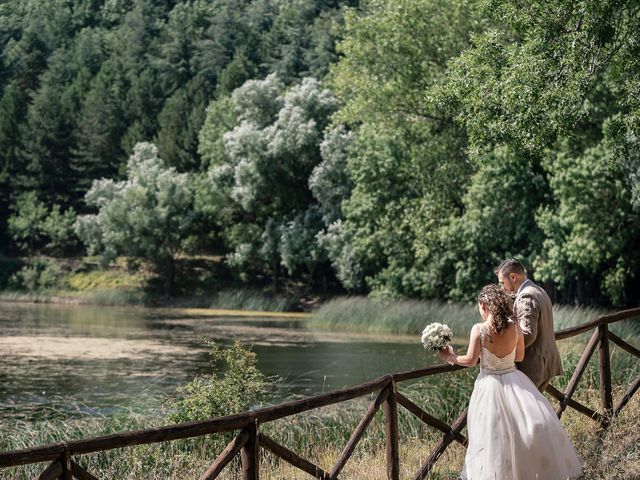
(8, 267)
(241, 387)
(41, 274)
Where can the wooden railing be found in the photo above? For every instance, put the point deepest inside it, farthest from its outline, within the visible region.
(250, 440)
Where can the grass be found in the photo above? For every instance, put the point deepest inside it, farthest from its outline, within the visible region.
(104, 280)
(201, 283)
(249, 299)
(320, 435)
(366, 314)
(111, 297)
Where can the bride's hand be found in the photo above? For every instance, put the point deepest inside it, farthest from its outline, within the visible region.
(446, 353)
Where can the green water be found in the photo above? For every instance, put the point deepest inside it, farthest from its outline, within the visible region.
(57, 360)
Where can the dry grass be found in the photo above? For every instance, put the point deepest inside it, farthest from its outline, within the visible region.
(612, 454)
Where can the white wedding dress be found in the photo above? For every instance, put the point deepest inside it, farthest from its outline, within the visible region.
(514, 434)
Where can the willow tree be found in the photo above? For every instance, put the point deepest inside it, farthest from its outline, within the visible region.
(262, 145)
(146, 216)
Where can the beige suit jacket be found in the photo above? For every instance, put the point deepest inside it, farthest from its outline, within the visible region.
(532, 308)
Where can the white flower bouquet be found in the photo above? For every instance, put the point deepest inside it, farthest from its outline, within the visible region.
(436, 336)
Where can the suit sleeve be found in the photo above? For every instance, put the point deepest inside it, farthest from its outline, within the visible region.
(528, 316)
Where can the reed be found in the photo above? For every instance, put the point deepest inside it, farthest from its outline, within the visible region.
(391, 316)
(365, 314)
(249, 299)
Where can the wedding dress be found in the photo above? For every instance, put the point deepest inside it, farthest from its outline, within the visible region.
(514, 434)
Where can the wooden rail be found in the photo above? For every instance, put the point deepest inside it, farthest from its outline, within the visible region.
(250, 440)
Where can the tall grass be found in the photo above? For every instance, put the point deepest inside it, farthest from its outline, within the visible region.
(366, 314)
(248, 299)
(391, 316)
(110, 297)
(320, 436)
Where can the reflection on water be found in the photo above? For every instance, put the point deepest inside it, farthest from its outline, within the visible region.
(101, 359)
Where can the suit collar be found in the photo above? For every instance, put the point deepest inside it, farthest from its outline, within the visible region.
(524, 285)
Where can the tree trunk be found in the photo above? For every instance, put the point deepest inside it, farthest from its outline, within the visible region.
(170, 278)
(274, 280)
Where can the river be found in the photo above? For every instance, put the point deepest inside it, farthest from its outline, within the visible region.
(58, 359)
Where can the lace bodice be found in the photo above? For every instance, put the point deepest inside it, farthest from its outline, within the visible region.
(491, 363)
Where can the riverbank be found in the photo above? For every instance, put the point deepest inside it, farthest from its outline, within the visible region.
(207, 285)
(202, 282)
(340, 313)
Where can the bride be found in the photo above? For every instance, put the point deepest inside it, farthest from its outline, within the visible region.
(513, 432)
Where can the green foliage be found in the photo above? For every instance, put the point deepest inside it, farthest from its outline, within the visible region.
(456, 133)
(592, 226)
(241, 386)
(82, 82)
(406, 163)
(554, 86)
(58, 227)
(38, 275)
(498, 219)
(33, 226)
(257, 182)
(8, 267)
(103, 280)
(147, 216)
(25, 225)
(532, 81)
(464, 120)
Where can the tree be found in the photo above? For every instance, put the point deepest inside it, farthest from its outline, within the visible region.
(498, 220)
(12, 114)
(555, 85)
(148, 215)
(25, 225)
(407, 161)
(98, 152)
(532, 81)
(257, 182)
(50, 121)
(591, 227)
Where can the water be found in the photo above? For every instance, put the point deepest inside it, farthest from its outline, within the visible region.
(64, 359)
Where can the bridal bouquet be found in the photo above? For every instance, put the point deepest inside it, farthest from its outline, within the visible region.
(436, 336)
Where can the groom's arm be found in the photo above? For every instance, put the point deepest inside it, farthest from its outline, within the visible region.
(528, 316)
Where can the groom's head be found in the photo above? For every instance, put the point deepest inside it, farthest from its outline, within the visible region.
(511, 274)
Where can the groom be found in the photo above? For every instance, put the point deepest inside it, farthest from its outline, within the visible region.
(532, 309)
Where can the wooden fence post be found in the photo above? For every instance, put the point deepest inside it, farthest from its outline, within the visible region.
(391, 427)
(605, 371)
(65, 460)
(251, 454)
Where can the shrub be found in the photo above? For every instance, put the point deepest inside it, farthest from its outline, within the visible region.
(41, 274)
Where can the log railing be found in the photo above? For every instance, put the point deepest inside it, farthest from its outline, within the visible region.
(250, 440)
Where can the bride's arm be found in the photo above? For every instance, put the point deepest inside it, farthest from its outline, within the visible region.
(473, 351)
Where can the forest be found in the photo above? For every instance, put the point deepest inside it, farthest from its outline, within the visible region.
(393, 148)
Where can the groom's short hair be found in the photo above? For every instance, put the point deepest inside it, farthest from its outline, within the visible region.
(510, 265)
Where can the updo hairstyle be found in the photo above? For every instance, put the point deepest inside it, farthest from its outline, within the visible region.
(500, 305)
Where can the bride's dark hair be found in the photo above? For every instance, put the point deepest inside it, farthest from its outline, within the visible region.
(499, 303)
